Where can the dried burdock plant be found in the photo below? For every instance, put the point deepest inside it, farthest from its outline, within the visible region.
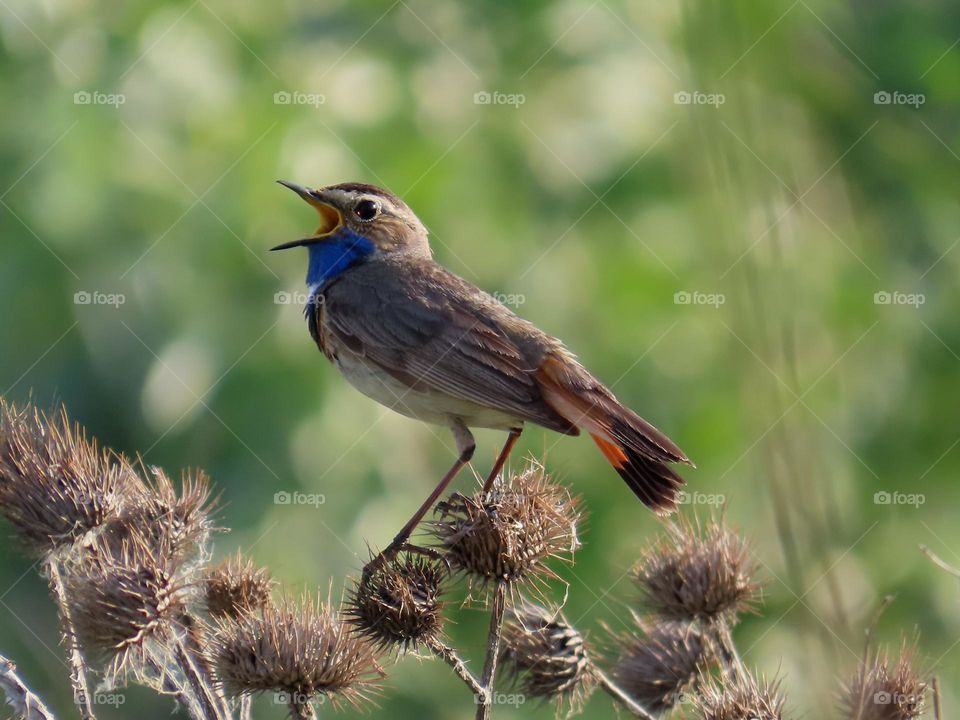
(740, 697)
(55, 484)
(884, 689)
(126, 557)
(695, 573)
(236, 586)
(509, 533)
(298, 649)
(400, 604)
(660, 667)
(125, 603)
(547, 657)
(157, 513)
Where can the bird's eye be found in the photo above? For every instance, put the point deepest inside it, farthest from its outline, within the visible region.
(366, 209)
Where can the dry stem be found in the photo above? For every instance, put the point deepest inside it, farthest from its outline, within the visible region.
(732, 663)
(935, 689)
(301, 709)
(78, 672)
(209, 702)
(618, 694)
(19, 697)
(940, 562)
(493, 650)
(450, 657)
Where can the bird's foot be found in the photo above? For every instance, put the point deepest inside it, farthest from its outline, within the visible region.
(395, 548)
(431, 553)
(385, 556)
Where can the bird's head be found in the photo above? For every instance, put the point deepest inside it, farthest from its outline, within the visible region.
(352, 211)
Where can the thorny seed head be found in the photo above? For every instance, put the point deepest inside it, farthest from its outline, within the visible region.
(400, 604)
(509, 533)
(55, 484)
(157, 512)
(661, 667)
(884, 690)
(739, 698)
(695, 573)
(123, 600)
(236, 586)
(299, 649)
(547, 656)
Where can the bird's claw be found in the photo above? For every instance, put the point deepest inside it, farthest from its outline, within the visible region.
(431, 553)
(395, 548)
(380, 560)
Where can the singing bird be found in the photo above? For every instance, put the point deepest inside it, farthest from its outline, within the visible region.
(415, 337)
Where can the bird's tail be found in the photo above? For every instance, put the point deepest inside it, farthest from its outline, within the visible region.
(636, 449)
(654, 482)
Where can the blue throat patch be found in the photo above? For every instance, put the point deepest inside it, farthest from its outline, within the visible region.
(333, 255)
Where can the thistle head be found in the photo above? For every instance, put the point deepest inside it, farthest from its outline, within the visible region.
(511, 532)
(741, 697)
(126, 601)
(547, 656)
(659, 667)
(698, 574)
(886, 689)
(236, 586)
(400, 603)
(55, 484)
(301, 650)
(157, 513)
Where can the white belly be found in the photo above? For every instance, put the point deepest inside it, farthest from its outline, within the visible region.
(431, 406)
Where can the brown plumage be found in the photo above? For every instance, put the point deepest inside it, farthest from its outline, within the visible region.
(423, 341)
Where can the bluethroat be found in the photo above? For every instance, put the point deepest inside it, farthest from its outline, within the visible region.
(413, 336)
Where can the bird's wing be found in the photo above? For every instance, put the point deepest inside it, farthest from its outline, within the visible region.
(433, 331)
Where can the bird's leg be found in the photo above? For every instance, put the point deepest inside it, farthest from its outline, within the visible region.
(466, 446)
(502, 458)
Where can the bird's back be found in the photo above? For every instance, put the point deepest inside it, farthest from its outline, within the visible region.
(435, 332)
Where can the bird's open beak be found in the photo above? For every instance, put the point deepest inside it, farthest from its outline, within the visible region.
(330, 218)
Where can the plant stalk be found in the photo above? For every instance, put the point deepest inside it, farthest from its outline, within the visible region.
(620, 695)
(210, 706)
(27, 705)
(450, 657)
(78, 670)
(493, 650)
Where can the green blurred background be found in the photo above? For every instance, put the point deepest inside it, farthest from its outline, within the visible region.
(632, 157)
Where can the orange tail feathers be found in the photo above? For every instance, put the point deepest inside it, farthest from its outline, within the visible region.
(636, 449)
(654, 483)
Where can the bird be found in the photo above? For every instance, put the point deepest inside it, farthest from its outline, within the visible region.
(421, 340)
